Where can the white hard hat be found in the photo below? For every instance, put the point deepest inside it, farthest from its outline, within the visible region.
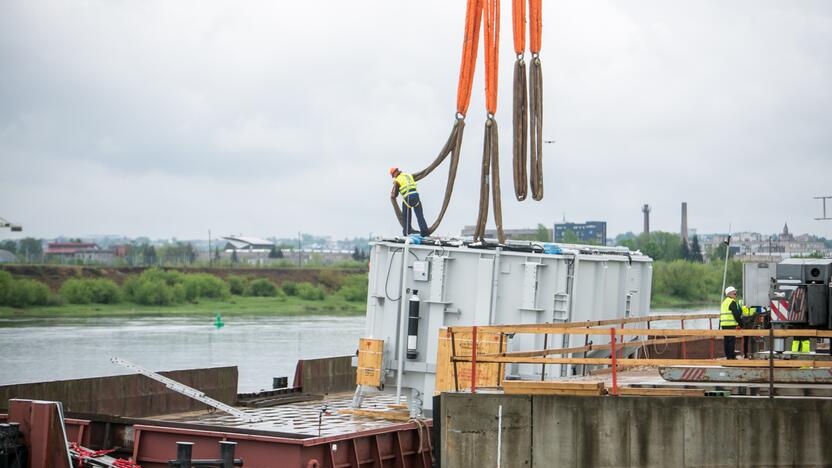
(730, 289)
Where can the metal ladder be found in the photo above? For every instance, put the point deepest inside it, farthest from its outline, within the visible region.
(186, 390)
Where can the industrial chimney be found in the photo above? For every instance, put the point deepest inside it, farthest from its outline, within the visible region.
(646, 210)
(685, 222)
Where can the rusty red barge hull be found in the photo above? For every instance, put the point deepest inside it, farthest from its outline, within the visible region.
(295, 434)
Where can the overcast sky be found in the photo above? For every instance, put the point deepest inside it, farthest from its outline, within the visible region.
(169, 118)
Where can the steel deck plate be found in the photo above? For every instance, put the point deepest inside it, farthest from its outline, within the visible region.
(298, 418)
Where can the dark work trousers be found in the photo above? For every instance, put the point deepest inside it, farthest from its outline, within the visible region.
(407, 213)
(730, 343)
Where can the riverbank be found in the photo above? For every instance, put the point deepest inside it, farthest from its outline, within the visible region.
(661, 301)
(235, 306)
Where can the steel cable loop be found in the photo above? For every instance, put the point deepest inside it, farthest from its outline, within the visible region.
(536, 124)
(485, 167)
(490, 179)
(520, 116)
(495, 182)
(452, 147)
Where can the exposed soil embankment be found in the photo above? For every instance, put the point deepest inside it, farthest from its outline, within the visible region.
(55, 275)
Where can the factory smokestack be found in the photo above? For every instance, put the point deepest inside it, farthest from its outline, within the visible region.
(646, 210)
(685, 222)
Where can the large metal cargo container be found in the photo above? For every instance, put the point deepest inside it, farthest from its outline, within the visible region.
(466, 284)
(757, 278)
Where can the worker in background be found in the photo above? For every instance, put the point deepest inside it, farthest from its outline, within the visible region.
(406, 187)
(730, 315)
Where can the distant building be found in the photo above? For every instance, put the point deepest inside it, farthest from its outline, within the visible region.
(75, 252)
(250, 250)
(753, 246)
(594, 232)
(242, 244)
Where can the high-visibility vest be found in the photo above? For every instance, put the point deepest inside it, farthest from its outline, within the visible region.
(800, 346)
(726, 318)
(406, 184)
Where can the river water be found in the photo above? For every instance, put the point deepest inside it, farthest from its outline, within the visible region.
(35, 350)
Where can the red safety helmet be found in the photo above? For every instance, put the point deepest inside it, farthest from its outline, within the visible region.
(393, 170)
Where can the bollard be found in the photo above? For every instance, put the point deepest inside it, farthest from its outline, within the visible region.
(227, 453)
(184, 452)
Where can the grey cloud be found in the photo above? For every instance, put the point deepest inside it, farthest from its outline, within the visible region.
(185, 108)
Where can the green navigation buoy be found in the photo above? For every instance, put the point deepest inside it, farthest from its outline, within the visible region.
(218, 321)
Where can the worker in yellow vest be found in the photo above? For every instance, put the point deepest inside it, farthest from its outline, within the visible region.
(730, 314)
(800, 345)
(405, 185)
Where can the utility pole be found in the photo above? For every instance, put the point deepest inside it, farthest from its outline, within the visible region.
(646, 210)
(725, 270)
(300, 252)
(210, 253)
(824, 217)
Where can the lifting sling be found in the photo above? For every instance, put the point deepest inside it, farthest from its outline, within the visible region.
(527, 113)
(488, 12)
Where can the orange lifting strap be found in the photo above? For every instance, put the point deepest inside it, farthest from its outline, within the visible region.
(492, 53)
(490, 168)
(473, 18)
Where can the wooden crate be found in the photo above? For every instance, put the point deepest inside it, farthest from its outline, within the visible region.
(552, 387)
(488, 375)
(369, 362)
(379, 414)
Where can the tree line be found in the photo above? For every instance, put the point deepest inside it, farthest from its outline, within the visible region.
(160, 287)
(680, 274)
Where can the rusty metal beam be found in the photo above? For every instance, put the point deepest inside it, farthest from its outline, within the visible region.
(42, 425)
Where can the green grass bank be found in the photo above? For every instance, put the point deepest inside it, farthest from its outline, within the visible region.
(236, 306)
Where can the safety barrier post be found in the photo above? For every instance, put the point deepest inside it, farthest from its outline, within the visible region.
(684, 348)
(622, 342)
(474, 359)
(586, 343)
(771, 362)
(453, 359)
(711, 339)
(614, 367)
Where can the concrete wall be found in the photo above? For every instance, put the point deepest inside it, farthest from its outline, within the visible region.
(555, 431)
